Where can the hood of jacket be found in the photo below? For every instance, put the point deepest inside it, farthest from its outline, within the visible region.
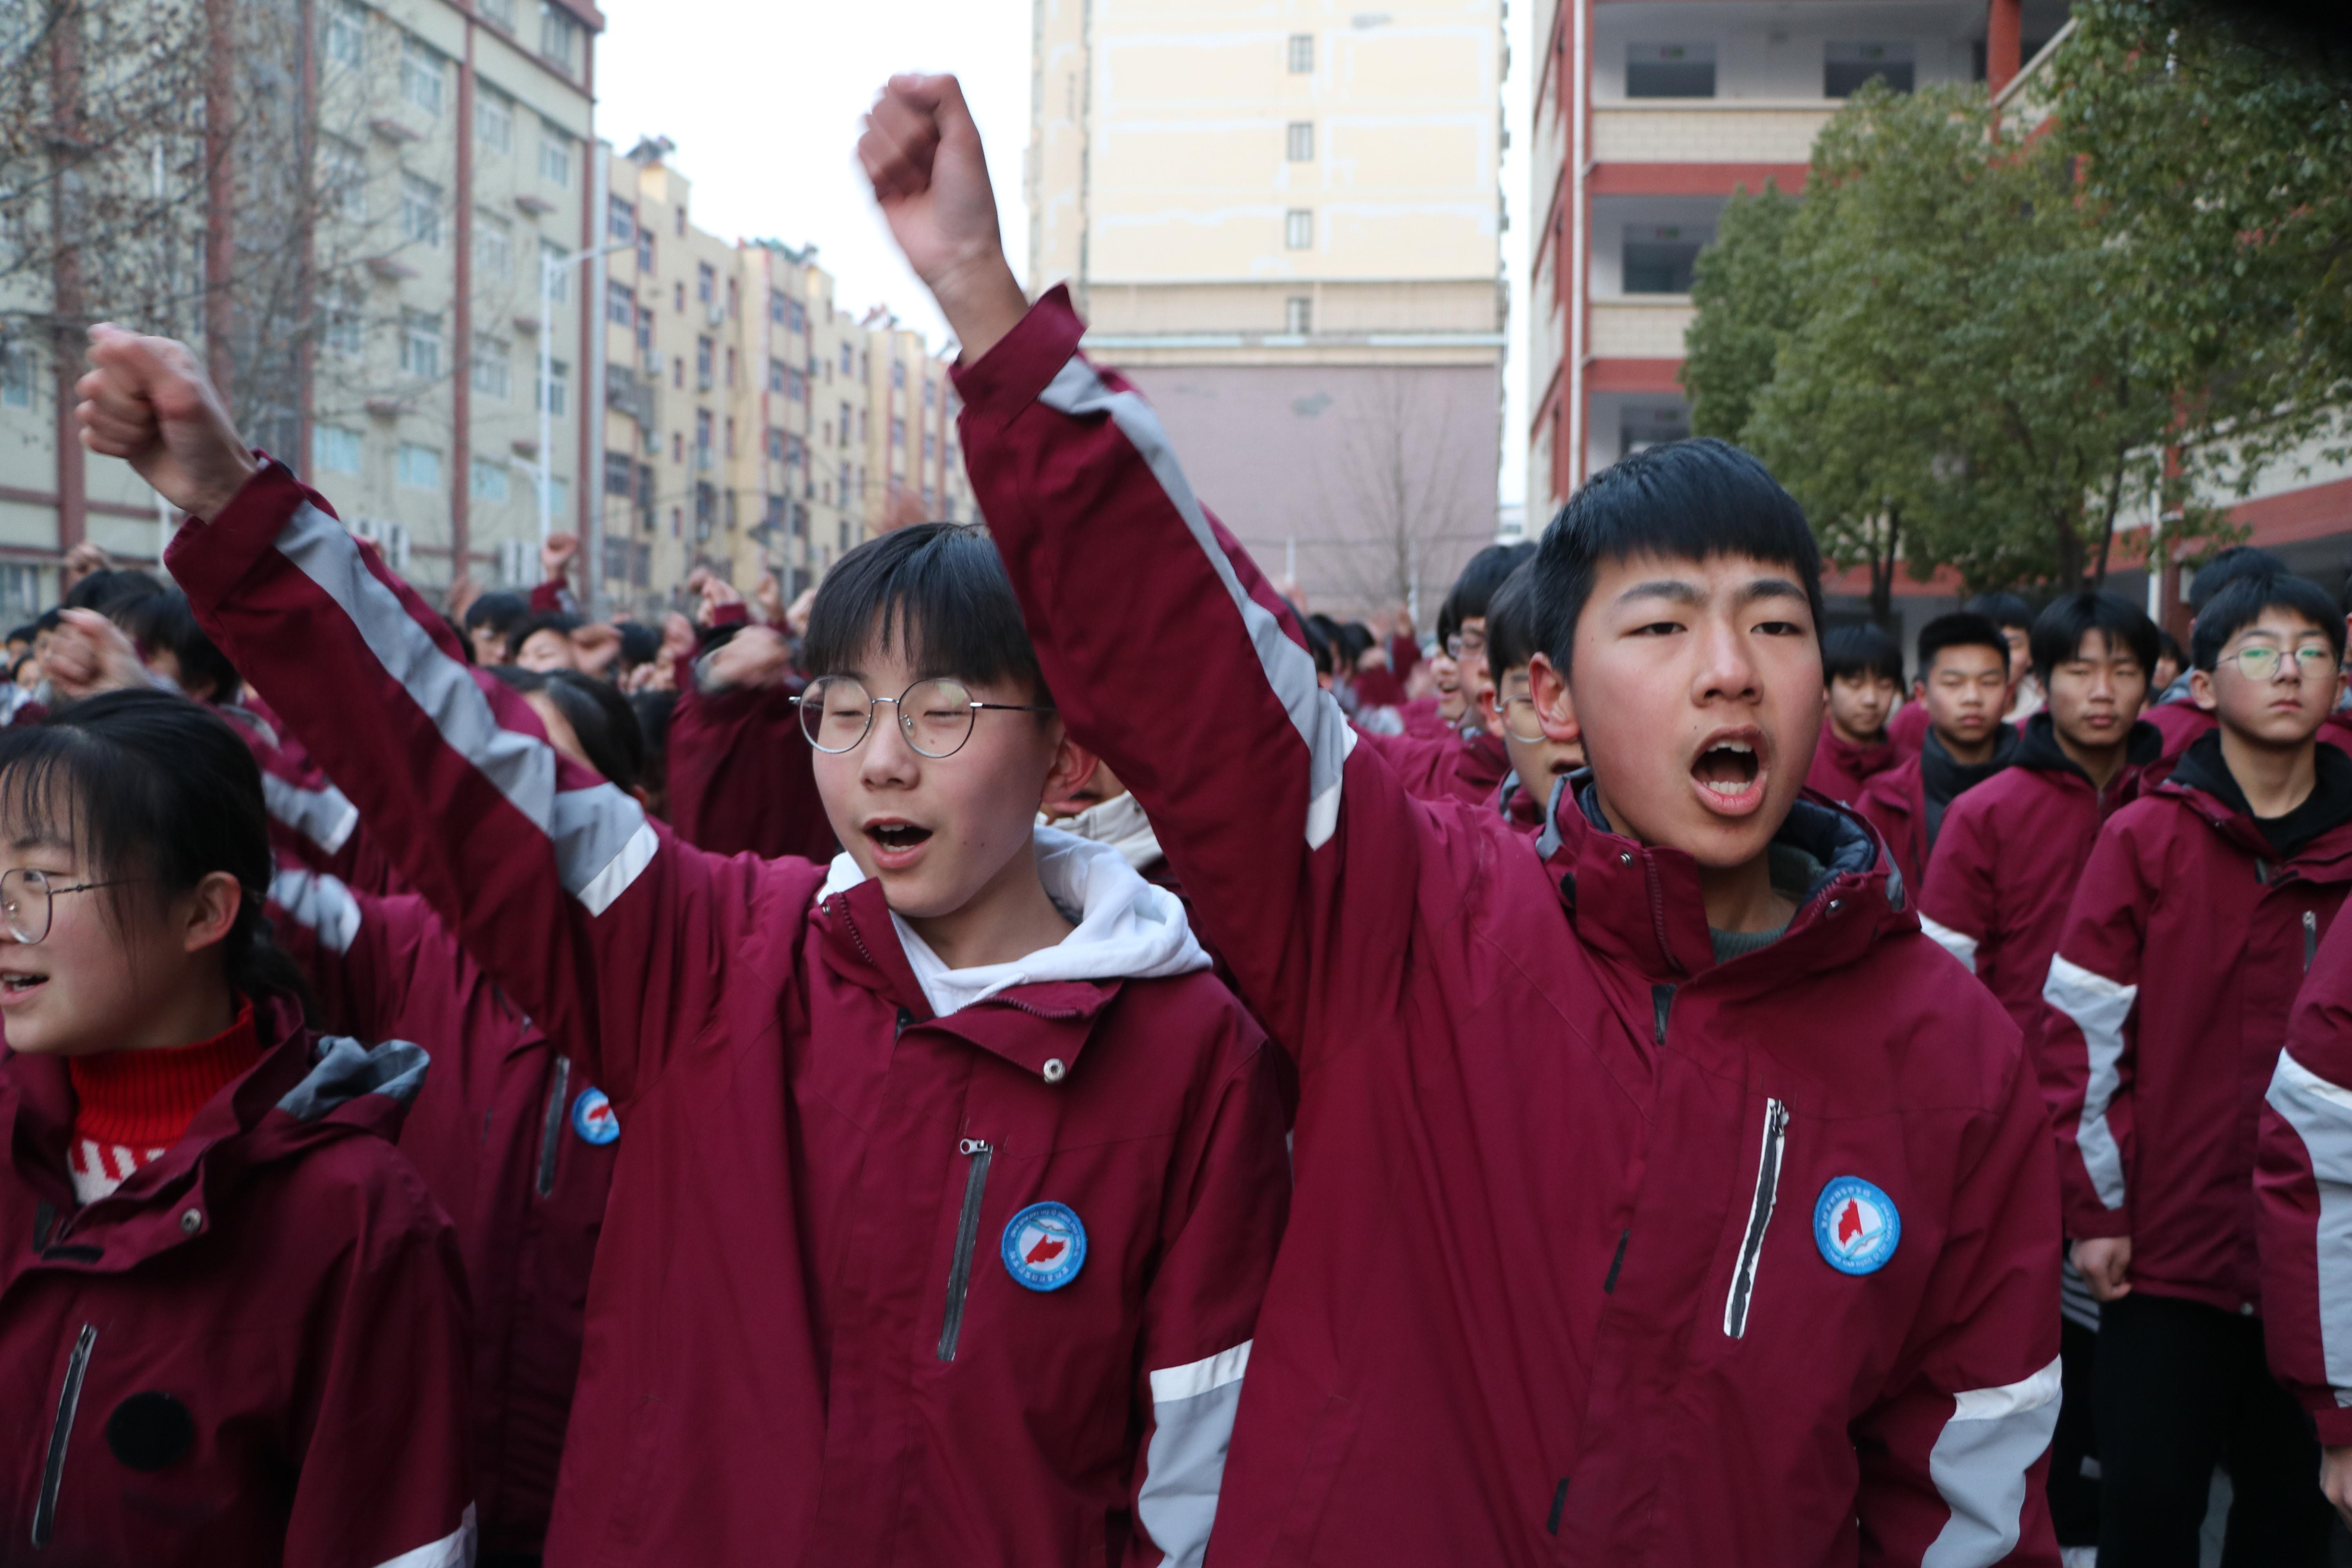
(2203, 779)
(1125, 928)
(2040, 750)
(1118, 822)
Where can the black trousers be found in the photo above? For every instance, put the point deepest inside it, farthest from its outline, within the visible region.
(2073, 1495)
(2182, 1387)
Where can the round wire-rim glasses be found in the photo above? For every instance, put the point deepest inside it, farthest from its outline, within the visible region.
(26, 901)
(1519, 725)
(935, 716)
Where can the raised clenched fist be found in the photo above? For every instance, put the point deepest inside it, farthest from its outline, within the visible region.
(148, 401)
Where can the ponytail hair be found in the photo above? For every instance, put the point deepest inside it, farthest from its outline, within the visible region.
(152, 787)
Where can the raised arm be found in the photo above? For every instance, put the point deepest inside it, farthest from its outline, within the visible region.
(741, 773)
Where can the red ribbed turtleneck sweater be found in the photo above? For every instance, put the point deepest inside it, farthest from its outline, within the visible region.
(130, 1107)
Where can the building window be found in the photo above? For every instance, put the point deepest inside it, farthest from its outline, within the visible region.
(1659, 258)
(775, 444)
(621, 221)
(420, 74)
(343, 332)
(1302, 53)
(559, 497)
(558, 380)
(493, 247)
(1670, 70)
(500, 12)
(1846, 67)
(645, 249)
(494, 121)
(931, 394)
(1298, 229)
(734, 303)
(620, 478)
(731, 435)
(775, 376)
(420, 345)
(897, 373)
(552, 259)
(554, 153)
(334, 449)
(1302, 142)
(703, 431)
(731, 380)
(420, 211)
(845, 359)
(795, 384)
(931, 446)
(493, 375)
(728, 508)
(620, 305)
(20, 591)
(489, 480)
(1298, 315)
(703, 348)
(558, 37)
(705, 281)
(897, 431)
(342, 178)
(679, 296)
(645, 332)
(420, 468)
(345, 34)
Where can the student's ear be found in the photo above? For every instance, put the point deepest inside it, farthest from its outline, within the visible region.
(209, 910)
(2200, 690)
(1073, 766)
(1490, 711)
(1555, 708)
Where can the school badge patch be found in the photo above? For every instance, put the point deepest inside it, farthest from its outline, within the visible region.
(594, 1117)
(1045, 1246)
(1855, 1225)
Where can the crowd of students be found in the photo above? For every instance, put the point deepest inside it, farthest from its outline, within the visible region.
(1043, 1052)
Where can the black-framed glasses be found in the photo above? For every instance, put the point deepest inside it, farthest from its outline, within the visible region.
(2259, 663)
(24, 901)
(935, 716)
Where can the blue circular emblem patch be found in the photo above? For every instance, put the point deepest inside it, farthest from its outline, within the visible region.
(1855, 1226)
(1045, 1246)
(594, 1117)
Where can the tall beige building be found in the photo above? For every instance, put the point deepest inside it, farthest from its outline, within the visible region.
(1283, 220)
(751, 423)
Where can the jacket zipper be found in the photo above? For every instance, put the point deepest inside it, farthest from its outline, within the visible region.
(975, 1183)
(2310, 938)
(551, 1131)
(1759, 1216)
(53, 1470)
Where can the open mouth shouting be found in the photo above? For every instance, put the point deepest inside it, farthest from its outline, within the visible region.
(896, 843)
(16, 985)
(1729, 771)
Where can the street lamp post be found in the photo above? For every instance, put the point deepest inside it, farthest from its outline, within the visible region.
(552, 267)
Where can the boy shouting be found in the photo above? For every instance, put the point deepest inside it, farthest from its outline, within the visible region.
(1664, 1194)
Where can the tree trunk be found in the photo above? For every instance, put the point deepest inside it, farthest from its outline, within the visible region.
(2107, 523)
(1882, 573)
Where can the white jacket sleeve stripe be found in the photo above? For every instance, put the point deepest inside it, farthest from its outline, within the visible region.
(1980, 1464)
(2098, 1006)
(1192, 1409)
(1077, 391)
(322, 904)
(324, 816)
(601, 838)
(455, 1550)
(1960, 945)
(2321, 1114)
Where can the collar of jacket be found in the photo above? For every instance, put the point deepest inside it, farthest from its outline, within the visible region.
(2326, 858)
(1518, 806)
(2040, 750)
(1027, 1025)
(1641, 905)
(1865, 759)
(305, 1089)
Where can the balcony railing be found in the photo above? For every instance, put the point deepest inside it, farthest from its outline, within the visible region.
(1708, 129)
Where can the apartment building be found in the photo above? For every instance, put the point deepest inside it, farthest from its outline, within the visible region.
(750, 424)
(1648, 115)
(1283, 221)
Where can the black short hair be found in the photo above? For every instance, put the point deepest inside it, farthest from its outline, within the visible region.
(49, 620)
(500, 612)
(1513, 626)
(2003, 610)
(1696, 499)
(1961, 629)
(2168, 647)
(640, 644)
(2243, 600)
(24, 633)
(2059, 630)
(110, 588)
(2238, 561)
(1864, 649)
(1475, 588)
(1318, 646)
(166, 621)
(597, 712)
(529, 626)
(937, 593)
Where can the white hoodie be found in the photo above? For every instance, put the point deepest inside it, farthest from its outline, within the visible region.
(1127, 929)
(1118, 822)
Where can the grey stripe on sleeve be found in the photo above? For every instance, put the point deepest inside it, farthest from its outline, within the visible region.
(600, 837)
(324, 816)
(321, 903)
(1192, 1409)
(1079, 391)
(2099, 1007)
(2321, 1114)
(1980, 1466)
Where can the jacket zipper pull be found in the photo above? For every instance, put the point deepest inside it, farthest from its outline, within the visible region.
(1760, 1217)
(975, 1183)
(551, 1131)
(2310, 938)
(1661, 1003)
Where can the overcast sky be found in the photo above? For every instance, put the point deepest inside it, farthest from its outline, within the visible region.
(764, 100)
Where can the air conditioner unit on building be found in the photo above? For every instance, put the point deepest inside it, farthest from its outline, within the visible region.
(715, 313)
(390, 538)
(515, 562)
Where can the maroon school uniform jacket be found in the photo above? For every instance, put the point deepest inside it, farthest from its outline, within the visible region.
(1597, 1256)
(252, 1351)
(2181, 724)
(1840, 769)
(2169, 999)
(740, 779)
(1468, 768)
(1896, 802)
(513, 1141)
(1908, 731)
(874, 1285)
(311, 821)
(2010, 858)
